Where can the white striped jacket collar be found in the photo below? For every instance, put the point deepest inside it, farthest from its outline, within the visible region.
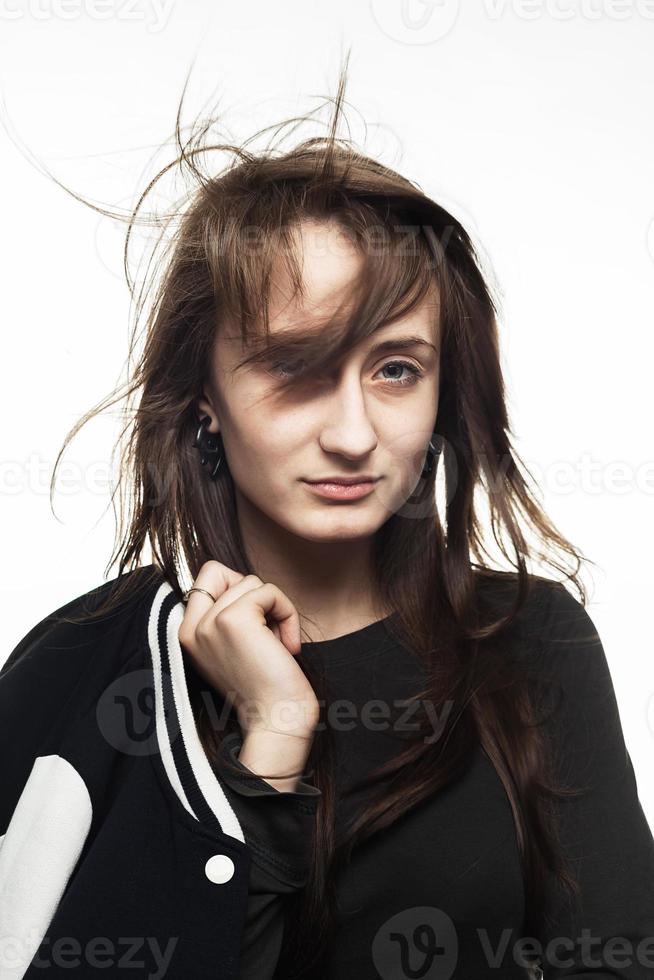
(186, 765)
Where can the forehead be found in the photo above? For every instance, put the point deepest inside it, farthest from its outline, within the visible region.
(329, 262)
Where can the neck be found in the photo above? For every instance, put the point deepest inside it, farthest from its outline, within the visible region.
(330, 583)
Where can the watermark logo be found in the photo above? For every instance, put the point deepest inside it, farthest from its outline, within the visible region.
(419, 942)
(126, 717)
(415, 21)
(419, 22)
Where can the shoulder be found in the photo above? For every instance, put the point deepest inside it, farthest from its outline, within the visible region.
(553, 636)
(549, 611)
(52, 681)
(558, 647)
(108, 619)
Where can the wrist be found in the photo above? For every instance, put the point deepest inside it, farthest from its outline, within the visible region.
(295, 732)
(275, 757)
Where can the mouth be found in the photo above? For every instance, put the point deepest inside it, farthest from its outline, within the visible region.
(343, 489)
(345, 481)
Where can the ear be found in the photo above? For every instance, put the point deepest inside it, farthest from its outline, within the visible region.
(205, 407)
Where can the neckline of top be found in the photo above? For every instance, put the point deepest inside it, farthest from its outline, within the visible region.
(349, 644)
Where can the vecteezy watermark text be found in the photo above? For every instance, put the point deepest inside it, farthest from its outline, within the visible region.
(153, 13)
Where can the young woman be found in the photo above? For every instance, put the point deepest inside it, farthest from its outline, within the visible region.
(352, 748)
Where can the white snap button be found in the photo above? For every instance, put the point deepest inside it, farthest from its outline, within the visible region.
(219, 869)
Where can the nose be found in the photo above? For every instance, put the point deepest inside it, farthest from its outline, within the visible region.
(348, 430)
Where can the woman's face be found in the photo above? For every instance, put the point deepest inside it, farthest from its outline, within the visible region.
(374, 417)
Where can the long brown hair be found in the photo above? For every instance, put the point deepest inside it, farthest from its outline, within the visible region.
(428, 568)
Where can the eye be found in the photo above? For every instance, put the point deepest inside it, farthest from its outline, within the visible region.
(414, 372)
(285, 364)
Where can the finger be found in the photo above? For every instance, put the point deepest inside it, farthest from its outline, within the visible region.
(216, 578)
(270, 601)
(247, 583)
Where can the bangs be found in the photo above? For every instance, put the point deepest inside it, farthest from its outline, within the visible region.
(397, 271)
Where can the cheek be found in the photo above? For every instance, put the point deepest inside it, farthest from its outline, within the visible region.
(406, 437)
(260, 444)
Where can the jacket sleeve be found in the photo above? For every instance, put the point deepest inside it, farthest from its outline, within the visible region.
(51, 671)
(608, 930)
(279, 830)
(37, 689)
(55, 763)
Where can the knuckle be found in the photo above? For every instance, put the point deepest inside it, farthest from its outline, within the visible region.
(223, 620)
(212, 565)
(185, 635)
(203, 628)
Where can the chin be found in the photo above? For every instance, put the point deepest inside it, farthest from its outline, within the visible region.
(337, 527)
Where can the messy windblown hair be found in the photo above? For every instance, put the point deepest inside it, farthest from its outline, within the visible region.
(217, 250)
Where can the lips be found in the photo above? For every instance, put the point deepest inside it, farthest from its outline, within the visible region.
(343, 492)
(346, 481)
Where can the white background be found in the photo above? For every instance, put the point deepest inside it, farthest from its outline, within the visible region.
(530, 121)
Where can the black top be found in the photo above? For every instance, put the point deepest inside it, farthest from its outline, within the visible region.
(443, 883)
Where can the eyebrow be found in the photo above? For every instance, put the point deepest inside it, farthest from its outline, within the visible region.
(401, 343)
(396, 343)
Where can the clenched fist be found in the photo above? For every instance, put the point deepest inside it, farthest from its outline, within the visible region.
(249, 662)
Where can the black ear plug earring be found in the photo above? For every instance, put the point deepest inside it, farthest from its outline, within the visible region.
(210, 446)
(433, 452)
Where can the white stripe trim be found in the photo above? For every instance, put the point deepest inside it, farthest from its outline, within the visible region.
(207, 780)
(162, 732)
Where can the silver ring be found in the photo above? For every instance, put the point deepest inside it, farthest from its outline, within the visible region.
(195, 589)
